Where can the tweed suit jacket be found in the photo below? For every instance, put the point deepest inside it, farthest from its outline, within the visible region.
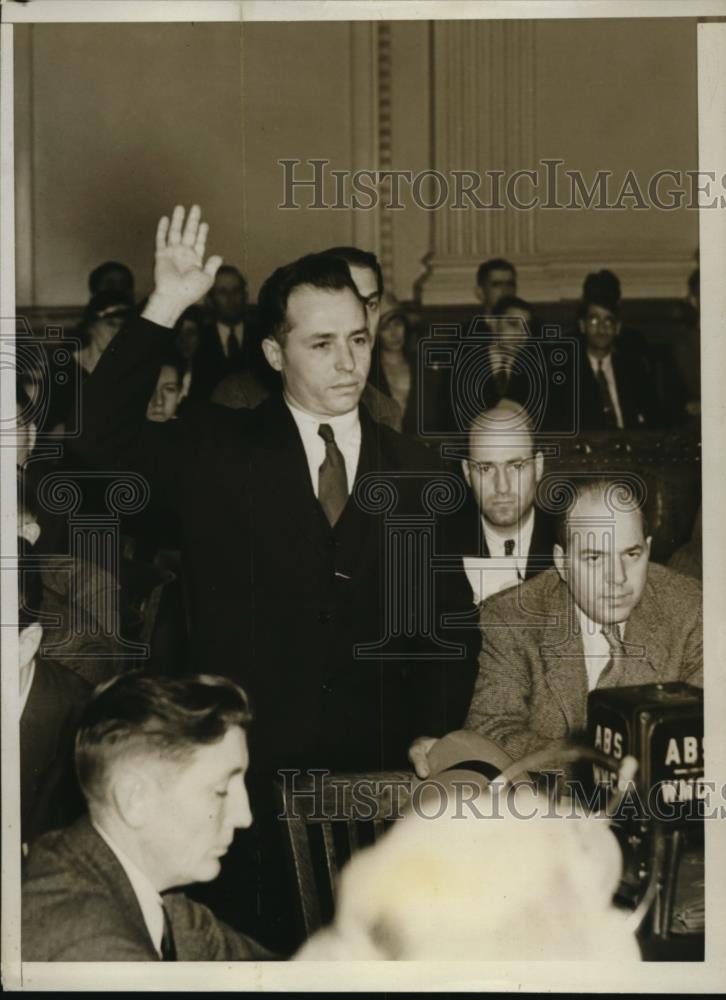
(78, 906)
(531, 689)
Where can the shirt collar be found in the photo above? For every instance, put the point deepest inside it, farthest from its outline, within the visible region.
(522, 534)
(607, 362)
(590, 628)
(150, 902)
(343, 425)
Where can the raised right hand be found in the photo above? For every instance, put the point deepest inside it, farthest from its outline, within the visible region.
(418, 754)
(181, 277)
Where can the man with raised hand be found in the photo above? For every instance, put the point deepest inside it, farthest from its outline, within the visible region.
(287, 562)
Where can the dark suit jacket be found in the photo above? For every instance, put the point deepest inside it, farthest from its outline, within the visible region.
(211, 363)
(636, 387)
(540, 556)
(281, 600)
(49, 794)
(78, 906)
(532, 684)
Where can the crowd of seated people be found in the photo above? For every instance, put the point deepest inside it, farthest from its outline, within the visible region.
(286, 468)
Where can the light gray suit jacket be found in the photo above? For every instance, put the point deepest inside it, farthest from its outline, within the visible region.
(532, 688)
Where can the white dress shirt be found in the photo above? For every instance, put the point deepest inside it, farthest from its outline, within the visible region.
(488, 575)
(150, 902)
(225, 329)
(346, 429)
(609, 373)
(595, 647)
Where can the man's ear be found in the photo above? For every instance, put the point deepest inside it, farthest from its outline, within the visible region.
(538, 466)
(558, 554)
(30, 531)
(273, 353)
(28, 643)
(479, 292)
(465, 470)
(130, 793)
(581, 325)
(648, 543)
(185, 385)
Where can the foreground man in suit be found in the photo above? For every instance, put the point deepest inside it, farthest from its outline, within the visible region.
(502, 470)
(162, 764)
(603, 617)
(285, 550)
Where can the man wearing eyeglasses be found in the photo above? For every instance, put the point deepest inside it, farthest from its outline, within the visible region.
(502, 470)
(616, 388)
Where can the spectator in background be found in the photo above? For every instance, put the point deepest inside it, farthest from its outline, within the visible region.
(495, 279)
(111, 277)
(605, 285)
(687, 347)
(171, 388)
(515, 538)
(394, 372)
(688, 559)
(51, 700)
(189, 333)
(102, 319)
(226, 340)
(80, 597)
(614, 388)
(512, 327)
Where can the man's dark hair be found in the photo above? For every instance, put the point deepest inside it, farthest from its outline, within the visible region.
(618, 493)
(95, 278)
(164, 717)
(495, 264)
(599, 284)
(511, 302)
(231, 269)
(599, 297)
(316, 270)
(193, 313)
(171, 358)
(359, 258)
(30, 586)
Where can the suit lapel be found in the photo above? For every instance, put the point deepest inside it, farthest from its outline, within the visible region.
(281, 470)
(95, 852)
(540, 549)
(563, 658)
(645, 647)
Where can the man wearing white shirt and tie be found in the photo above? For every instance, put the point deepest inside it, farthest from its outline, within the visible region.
(161, 763)
(502, 470)
(604, 616)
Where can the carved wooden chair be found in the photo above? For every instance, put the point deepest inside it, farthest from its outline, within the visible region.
(327, 818)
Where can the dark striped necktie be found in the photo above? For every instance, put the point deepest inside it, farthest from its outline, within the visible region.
(617, 649)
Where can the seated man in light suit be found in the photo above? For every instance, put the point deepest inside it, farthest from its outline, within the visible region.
(516, 538)
(603, 617)
(161, 763)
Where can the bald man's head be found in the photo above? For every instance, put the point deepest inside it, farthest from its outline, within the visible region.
(503, 468)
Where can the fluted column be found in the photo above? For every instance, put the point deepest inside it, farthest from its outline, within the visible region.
(483, 120)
